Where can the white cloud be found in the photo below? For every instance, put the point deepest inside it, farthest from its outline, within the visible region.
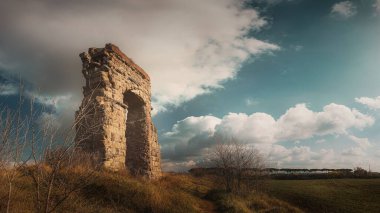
(353, 151)
(344, 9)
(372, 103)
(188, 48)
(255, 128)
(305, 157)
(192, 137)
(189, 137)
(297, 123)
(297, 156)
(48, 100)
(191, 126)
(56, 109)
(362, 142)
(334, 119)
(8, 89)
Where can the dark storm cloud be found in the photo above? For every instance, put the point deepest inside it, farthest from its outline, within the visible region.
(170, 39)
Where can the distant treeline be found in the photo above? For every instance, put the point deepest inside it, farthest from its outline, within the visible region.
(296, 174)
(272, 170)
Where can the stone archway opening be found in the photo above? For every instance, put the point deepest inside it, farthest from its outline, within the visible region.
(135, 133)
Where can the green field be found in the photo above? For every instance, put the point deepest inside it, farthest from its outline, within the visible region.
(329, 195)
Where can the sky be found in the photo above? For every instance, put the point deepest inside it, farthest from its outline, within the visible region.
(296, 79)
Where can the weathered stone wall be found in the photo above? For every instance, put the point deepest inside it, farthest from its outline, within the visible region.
(118, 93)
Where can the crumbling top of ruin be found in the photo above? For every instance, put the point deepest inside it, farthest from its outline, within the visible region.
(113, 48)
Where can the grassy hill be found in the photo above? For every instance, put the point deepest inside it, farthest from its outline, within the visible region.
(116, 192)
(329, 195)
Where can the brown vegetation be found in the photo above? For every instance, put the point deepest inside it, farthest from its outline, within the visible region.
(119, 192)
(33, 145)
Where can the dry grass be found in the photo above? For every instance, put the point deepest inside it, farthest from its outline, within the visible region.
(124, 194)
(118, 192)
(254, 202)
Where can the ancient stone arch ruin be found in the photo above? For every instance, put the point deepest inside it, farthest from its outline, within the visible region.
(117, 97)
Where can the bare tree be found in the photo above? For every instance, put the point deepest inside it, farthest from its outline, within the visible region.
(240, 165)
(33, 145)
(14, 132)
(56, 153)
(360, 172)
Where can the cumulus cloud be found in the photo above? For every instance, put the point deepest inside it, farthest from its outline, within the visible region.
(188, 47)
(55, 109)
(334, 119)
(305, 157)
(362, 142)
(298, 156)
(297, 123)
(344, 9)
(192, 137)
(256, 128)
(372, 103)
(189, 137)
